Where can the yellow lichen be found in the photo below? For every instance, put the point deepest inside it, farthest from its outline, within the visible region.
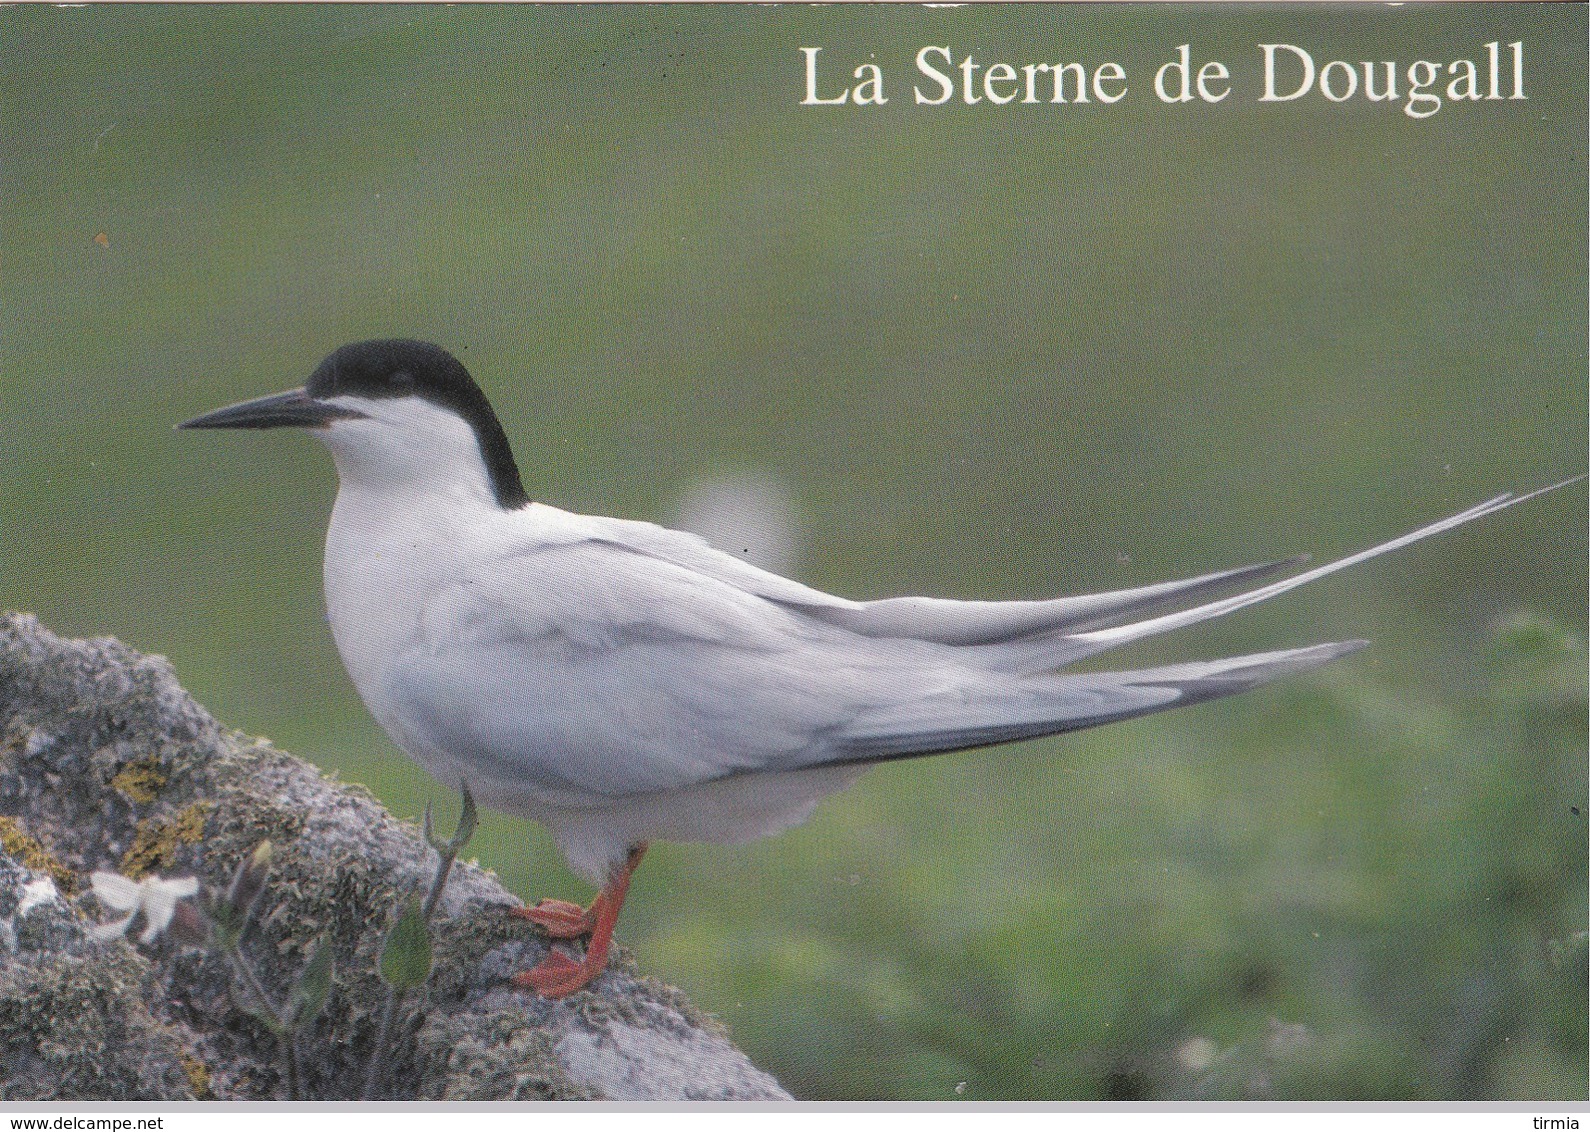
(198, 1077)
(32, 853)
(155, 841)
(141, 781)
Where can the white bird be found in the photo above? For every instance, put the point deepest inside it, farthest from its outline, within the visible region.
(621, 683)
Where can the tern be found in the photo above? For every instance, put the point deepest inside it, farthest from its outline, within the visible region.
(622, 683)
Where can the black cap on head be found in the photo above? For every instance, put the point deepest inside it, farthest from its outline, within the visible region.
(403, 367)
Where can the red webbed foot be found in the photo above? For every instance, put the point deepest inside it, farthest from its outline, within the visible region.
(560, 919)
(557, 975)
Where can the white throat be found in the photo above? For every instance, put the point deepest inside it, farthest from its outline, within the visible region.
(414, 502)
(408, 450)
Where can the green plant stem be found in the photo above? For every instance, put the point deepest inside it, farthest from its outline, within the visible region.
(256, 988)
(444, 866)
(389, 1009)
(287, 1042)
(286, 1046)
(394, 998)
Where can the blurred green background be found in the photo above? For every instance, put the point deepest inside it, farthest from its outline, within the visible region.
(985, 353)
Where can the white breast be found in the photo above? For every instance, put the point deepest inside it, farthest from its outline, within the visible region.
(414, 510)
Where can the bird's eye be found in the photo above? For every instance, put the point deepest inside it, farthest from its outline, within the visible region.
(402, 379)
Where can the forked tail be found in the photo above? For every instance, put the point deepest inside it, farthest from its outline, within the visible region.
(1036, 699)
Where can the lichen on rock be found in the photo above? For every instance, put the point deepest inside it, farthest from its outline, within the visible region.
(155, 841)
(27, 851)
(141, 781)
(106, 763)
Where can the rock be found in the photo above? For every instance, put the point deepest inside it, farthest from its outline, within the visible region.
(107, 764)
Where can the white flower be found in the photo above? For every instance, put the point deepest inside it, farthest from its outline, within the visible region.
(36, 892)
(155, 898)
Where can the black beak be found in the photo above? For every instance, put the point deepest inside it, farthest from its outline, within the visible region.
(293, 409)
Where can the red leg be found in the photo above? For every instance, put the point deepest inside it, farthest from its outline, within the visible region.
(557, 975)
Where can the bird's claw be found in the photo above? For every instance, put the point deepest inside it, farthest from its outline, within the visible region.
(556, 976)
(560, 919)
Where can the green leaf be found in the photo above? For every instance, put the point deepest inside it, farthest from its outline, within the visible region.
(225, 925)
(264, 1017)
(406, 955)
(314, 984)
(249, 880)
(467, 820)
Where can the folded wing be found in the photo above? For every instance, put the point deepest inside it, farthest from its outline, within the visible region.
(620, 658)
(1036, 706)
(940, 620)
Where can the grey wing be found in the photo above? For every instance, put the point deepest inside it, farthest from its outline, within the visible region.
(1042, 633)
(939, 620)
(638, 660)
(587, 671)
